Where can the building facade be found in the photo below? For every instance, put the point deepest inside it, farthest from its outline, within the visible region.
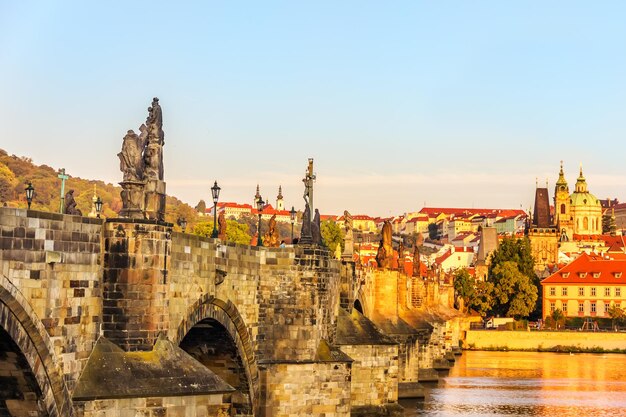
(586, 287)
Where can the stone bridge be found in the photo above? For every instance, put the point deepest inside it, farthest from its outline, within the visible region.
(128, 318)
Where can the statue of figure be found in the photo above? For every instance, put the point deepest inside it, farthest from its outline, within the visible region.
(381, 256)
(151, 160)
(416, 260)
(348, 239)
(271, 238)
(70, 204)
(315, 228)
(347, 224)
(305, 232)
(157, 115)
(386, 253)
(131, 162)
(221, 226)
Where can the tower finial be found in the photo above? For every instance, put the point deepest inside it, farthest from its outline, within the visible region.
(546, 182)
(536, 182)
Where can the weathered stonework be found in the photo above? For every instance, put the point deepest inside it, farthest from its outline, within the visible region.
(66, 280)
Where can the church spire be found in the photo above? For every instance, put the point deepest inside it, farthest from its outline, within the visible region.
(581, 183)
(561, 180)
(280, 192)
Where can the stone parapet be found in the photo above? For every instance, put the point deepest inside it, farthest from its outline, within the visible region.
(55, 262)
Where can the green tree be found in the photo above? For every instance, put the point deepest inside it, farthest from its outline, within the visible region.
(201, 207)
(203, 229)
(237, 232)
(482, 301)
(558, 317)
(514, 293)
(617, 315)
(433, 231)
(464, 285)
(331, 235)
(518, 252)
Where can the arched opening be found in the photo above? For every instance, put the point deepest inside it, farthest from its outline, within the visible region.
(20, 394)
(358, 307)
(585, 223)
(562, 208)
(210, 343)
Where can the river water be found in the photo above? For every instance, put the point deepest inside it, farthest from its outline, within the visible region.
(527, 384)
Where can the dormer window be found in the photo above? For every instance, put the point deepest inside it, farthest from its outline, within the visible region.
(582, 274)
(618, 274)
(565, 274)
(596, 275)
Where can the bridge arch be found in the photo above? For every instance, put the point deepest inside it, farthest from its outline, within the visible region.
(213, 317)
(30, 341)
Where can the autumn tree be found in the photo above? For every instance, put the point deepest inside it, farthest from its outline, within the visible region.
(237, 232)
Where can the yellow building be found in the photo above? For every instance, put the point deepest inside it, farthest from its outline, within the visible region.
(578, 214)
(586, 287)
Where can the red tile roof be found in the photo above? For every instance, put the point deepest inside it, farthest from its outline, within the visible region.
(590, 269)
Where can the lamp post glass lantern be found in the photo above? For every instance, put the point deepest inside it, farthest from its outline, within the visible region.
(98, 205)
(292, 214)
(182, 222)
(259, 206)
(30, 192)
(215, 193)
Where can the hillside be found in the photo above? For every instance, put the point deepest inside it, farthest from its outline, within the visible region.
(16, 172)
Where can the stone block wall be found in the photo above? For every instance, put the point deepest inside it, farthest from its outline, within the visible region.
(288, 297)
(55, 261)
(135, 282)
(374, 374)
(306, 389)
(187, 406)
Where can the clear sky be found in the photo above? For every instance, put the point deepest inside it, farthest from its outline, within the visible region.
(400, 103)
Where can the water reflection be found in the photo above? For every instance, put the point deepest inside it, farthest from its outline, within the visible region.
(528, 384)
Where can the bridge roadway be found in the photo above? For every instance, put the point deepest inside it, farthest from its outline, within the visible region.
(128, 318)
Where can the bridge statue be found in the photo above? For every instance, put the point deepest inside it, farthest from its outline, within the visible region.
(385, 250)
(141, 163)
(348, 250)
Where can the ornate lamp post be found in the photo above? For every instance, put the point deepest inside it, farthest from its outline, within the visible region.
(215, 192)
(292, 214)
(259, 207)
(98, 205)
(30, 191)
(182, 222)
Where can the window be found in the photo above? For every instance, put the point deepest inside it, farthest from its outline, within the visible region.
(581, 308)
(552, 291)
(606, 308)
(564, 291)
(565, 274)
(593, 307)
(607, 292)
(581, 291)
(564, 308)
(618, 275)
(593, 291)
(618, 292)
(562, 208)
(552, 307)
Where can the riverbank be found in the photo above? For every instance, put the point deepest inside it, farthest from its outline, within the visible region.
(545, 341)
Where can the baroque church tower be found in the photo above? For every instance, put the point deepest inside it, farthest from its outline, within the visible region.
(280, 204)
(562, 213)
